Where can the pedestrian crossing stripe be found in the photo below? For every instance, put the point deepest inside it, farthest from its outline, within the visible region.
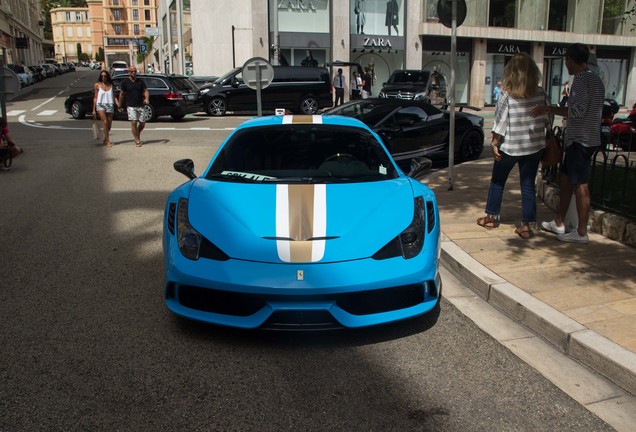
(47, 112)
(15, 113)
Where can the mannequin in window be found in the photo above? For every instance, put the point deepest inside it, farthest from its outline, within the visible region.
(359, 10)
(309, 61)
(392, 18)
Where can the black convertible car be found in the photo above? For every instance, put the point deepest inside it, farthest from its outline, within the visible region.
(415, 128)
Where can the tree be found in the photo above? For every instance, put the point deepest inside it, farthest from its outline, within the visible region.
(629, 15)
(47, 5)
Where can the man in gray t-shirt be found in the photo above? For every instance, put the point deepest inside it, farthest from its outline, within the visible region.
(582, 138)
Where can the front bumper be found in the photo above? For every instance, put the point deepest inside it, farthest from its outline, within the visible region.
(346, 294)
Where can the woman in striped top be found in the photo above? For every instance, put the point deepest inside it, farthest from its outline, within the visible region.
(517, 138)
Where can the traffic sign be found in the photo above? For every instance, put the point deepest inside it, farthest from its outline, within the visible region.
(152, 31)
(143, 48)
(258, 74)
(257, 71)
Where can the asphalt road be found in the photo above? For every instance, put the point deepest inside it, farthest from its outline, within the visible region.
(89, 345)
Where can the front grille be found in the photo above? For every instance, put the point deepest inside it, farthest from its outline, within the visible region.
(382, 300)
(356, 303)
(301, 320)
(221, 302)
(407, 96)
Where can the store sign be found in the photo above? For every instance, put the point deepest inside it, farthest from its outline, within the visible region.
(558, 51)
(508, 49)
(377, 42)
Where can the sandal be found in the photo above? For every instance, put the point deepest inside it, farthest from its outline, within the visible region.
(138, 143)
(524, 232)
(108, 144)
(488, 222)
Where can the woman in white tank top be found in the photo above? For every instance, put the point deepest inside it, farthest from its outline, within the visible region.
(104, 104)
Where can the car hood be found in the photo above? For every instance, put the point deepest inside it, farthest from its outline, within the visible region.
(404, 87)
(300, 223)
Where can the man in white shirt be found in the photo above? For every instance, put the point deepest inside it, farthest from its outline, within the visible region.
(339, 86)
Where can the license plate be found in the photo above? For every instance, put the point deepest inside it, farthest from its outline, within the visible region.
(190, 97)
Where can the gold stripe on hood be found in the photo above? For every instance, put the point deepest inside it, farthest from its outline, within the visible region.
(301, 217)
(301, 221)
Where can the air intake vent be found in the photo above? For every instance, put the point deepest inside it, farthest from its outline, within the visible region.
(430, 216)
(171, 212)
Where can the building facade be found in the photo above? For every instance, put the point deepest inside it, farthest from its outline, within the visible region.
(71, 33)
(21, 32)
(389, 35)
(116, 28)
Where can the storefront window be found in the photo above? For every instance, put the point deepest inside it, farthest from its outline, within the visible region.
(502, 13)
(377, 17)
(306, 16)
(440, 61)
(431, 11)
(613, 72)
(558, 15)
(613, 12)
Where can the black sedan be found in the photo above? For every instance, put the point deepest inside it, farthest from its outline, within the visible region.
(415, 128)
(170, 95)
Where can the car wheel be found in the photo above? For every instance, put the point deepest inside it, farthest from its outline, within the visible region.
(77, 111)
(472, 146)
(151, 113)
(309, 105)
(216, 107)
(178, 117)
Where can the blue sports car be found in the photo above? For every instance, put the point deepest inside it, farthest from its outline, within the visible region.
(301, 221)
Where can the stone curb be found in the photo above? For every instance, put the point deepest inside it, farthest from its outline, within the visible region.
(576, 341)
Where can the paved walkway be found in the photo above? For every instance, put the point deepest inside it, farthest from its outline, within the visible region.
(581, 298)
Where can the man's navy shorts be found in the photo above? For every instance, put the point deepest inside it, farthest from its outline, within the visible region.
(576, 164)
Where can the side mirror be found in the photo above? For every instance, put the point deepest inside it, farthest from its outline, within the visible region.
(185, 167)
(419, 166)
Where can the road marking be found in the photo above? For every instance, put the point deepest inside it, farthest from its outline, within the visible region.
(23, 120)
(42, 104)
(47, 112)
(14, 113)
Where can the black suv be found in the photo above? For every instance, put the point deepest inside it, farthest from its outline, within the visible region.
(298, 89)
(428, 86)
(170, 95)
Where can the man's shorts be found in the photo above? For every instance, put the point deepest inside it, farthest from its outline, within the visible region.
(576, 164)
(137, 114)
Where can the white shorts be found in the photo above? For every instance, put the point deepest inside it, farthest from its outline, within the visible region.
(139, 114)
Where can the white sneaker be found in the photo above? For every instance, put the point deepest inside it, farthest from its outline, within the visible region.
(573, 237)
(553, 227)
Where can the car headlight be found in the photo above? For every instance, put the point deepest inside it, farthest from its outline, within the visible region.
(381, 94)
(191, 243)
(420, 96)
(188, 239)
(204, 91)
(409, 242)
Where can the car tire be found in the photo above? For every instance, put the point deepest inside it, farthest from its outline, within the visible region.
(77, 110)
(309, 105)
(472, 146)
(177, 116)
(151, 113)
(216, 107)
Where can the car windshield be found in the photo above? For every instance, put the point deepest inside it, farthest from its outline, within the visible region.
(225, 76)
(409, 77)
(185, 84)
(356, 109)
(302, 153)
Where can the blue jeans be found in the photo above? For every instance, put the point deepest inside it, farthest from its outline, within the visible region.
(528, 166)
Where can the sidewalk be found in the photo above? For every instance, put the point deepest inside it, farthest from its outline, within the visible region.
(581, 298)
